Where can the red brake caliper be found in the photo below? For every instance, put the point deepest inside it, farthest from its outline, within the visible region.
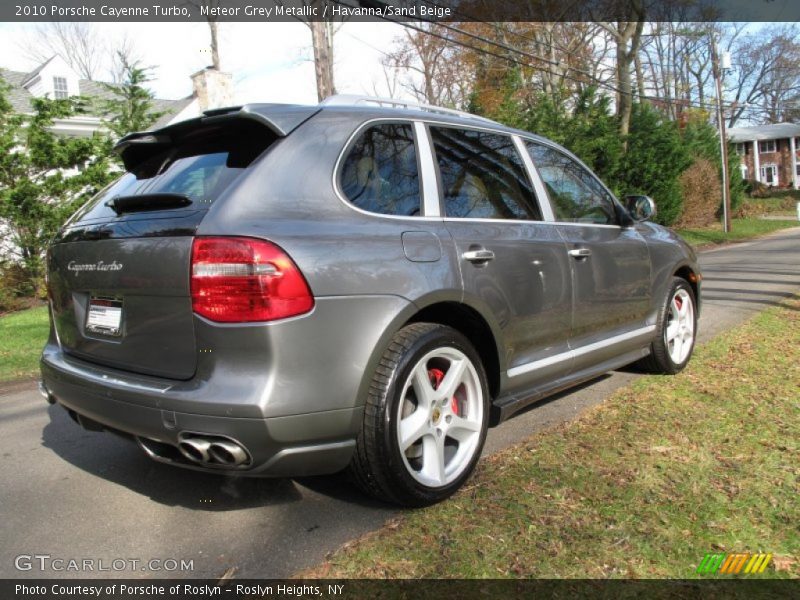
(436, 376)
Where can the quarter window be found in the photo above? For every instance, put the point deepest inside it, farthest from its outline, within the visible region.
(575, 194)
(380, 172)
(482, 176)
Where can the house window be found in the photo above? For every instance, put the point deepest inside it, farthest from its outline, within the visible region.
(766, 146)
(769, 174)
(741, 149)
(60, 91)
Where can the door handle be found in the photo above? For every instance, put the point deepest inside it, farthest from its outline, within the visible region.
(580, 253)
(478, 256)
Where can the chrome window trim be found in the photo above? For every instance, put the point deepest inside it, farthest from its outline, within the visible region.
(580, 351)
(430, 182)
(533, 175)
(437, 217)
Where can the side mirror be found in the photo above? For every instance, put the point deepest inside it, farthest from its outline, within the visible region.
(641, 208)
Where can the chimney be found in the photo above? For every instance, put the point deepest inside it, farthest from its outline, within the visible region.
(212, 88)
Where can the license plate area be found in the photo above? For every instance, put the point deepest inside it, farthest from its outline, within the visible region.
(104, 316)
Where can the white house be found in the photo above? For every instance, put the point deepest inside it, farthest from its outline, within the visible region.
(56, 79)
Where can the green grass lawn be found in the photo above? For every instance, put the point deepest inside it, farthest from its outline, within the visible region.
(22, 337)
(741, 229)
(643, 485)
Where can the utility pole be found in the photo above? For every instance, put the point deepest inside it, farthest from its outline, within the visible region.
(723, 138)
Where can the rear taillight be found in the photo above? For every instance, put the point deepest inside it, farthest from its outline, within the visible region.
(237, 280)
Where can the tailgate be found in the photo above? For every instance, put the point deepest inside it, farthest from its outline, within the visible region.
(145, 282)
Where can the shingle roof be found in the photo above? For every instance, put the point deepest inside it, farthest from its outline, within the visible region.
(775, 131)
(37, 70)
(21, 99)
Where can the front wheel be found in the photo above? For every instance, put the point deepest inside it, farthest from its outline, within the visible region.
(677, 325)
(425, 419)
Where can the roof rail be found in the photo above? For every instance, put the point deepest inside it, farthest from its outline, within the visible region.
(354, 100)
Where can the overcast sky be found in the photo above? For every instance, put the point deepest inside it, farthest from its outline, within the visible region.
(270, 62)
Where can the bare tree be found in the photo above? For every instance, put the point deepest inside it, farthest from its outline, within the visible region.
(627, 35)
(322, 35)
(78, 43)
(766, 77)
(424, 58)
(125, 54)
(209, 8)
(391, 83)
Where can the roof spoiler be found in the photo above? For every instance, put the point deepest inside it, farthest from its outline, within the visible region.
(280, 119)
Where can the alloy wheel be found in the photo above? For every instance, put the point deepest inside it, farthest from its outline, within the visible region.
(440, 417)
(679, 332)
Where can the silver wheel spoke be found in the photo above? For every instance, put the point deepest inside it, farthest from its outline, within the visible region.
(672, 331)
(433, 458)
(462, 429)
(676, 354)
(452, 379)
(412, 428)
(422, 386)
(676, 311)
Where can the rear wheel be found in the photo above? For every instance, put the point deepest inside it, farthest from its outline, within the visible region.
(677, 324)
(425, 419)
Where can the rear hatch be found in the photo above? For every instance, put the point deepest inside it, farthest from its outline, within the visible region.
(119, 270)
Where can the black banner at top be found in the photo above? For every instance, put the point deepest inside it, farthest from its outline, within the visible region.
(399, 10)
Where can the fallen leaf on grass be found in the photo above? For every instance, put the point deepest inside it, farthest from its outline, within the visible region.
(784, 563)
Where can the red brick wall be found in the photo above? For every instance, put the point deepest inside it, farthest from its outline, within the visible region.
(782, 157)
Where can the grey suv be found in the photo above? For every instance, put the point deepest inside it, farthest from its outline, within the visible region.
(286, 290)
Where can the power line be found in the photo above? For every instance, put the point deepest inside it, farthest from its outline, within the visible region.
(593, 80)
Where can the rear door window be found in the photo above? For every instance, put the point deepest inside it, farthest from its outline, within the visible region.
(380, 173)
(482, 176)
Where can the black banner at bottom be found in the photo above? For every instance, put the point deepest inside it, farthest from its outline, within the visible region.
(357, 589)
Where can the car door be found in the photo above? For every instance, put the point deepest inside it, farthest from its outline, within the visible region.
(514, 266)
(610, 264)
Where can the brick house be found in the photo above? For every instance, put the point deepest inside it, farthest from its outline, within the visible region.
(768, 153)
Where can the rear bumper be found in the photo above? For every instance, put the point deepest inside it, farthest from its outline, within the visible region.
(308, 444)
(288, 391)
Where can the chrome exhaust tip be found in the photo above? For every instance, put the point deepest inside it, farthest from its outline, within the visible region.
(195, 449)
(227, 453)
(45, 393)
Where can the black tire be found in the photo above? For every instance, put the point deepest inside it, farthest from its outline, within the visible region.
(659, 361)
(378, 466)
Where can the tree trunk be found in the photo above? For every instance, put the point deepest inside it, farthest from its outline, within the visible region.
(625, 93)
(323, 59)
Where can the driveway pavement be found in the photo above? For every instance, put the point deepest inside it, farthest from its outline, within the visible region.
(73, 494)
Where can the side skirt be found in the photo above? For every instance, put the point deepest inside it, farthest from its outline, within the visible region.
(507, 406)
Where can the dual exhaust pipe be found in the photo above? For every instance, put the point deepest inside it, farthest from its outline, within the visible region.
(213, 451)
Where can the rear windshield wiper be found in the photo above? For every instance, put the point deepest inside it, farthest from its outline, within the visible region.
(127, 204)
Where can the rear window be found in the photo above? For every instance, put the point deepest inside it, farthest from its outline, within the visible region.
(200, 166)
